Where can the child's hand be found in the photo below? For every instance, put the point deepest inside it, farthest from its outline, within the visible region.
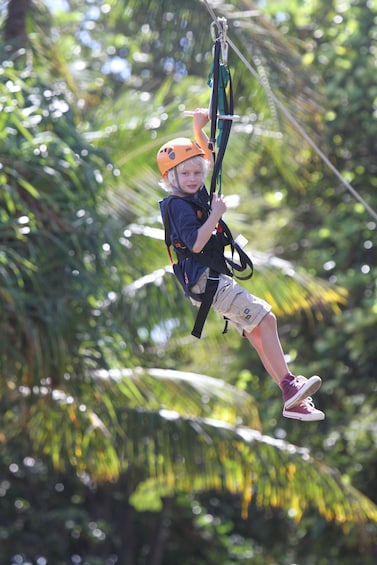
(201, 118)
(218, 205)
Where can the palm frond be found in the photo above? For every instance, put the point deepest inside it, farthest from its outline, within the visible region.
(288, 289)
(186, 393)
(179, 432)
(272, 472)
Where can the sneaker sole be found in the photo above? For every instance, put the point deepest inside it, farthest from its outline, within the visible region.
(308, 389)
(304, 417)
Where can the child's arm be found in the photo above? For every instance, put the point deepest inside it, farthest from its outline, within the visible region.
(218, 208)
(201, 119)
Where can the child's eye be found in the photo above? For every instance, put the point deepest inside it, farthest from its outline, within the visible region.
(186, 173)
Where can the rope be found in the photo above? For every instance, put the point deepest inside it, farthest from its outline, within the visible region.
(294, 122)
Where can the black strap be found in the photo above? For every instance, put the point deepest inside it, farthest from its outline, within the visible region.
(244, 262)
(206, 303)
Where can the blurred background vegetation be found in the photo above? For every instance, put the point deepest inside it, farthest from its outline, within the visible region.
(124, 440)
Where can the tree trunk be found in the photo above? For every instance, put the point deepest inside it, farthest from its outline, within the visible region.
(127, 549)
(15, 23)
(160, 534)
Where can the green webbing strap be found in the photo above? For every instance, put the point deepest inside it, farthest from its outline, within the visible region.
(221, 104)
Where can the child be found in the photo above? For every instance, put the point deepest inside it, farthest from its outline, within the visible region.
(192, 221)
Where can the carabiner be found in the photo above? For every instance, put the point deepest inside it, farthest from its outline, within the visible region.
(219, 31)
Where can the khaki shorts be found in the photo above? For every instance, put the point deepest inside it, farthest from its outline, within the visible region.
(243, 310)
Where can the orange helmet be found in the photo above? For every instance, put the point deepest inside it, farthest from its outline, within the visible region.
(175, 152)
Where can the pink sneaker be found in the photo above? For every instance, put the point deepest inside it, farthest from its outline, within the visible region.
(295, 389)
(305, 411)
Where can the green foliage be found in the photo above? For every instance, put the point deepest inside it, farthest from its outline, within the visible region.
(86, 292)
(52, 233)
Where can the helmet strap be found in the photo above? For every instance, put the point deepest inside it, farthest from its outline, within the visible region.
(177, 180)
(177, 186)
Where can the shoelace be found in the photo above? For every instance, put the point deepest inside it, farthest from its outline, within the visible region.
(308, 403)
(298, 381)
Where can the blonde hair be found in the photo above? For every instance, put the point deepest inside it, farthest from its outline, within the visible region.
(168, 182)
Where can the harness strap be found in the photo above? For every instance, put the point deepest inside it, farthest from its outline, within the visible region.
(206, 303)
(206, 298)
(244, 262)
(220, 81)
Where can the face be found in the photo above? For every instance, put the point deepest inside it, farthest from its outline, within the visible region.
(190, 175)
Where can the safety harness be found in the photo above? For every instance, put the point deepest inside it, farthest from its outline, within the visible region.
(221, 116)
(212, 256)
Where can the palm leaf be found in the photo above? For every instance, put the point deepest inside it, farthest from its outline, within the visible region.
(286, 288)
(272, 472)
(161, 429)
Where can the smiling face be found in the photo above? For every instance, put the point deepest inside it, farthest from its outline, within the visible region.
(190, 175)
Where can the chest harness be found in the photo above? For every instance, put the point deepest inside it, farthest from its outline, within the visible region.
(211, 256)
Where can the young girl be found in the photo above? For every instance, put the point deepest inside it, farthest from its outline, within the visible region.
(192, 221)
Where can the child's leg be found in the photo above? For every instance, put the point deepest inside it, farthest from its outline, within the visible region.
(295, 390)
(265, 339)
(253, 318)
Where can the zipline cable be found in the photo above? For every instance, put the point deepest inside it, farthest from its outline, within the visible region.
(294, 122)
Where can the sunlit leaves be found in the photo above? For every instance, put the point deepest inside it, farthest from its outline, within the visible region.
(181, 451)
(81, 293)
(50, 224)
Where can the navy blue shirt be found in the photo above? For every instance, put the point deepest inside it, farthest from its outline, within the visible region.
(184, 225)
